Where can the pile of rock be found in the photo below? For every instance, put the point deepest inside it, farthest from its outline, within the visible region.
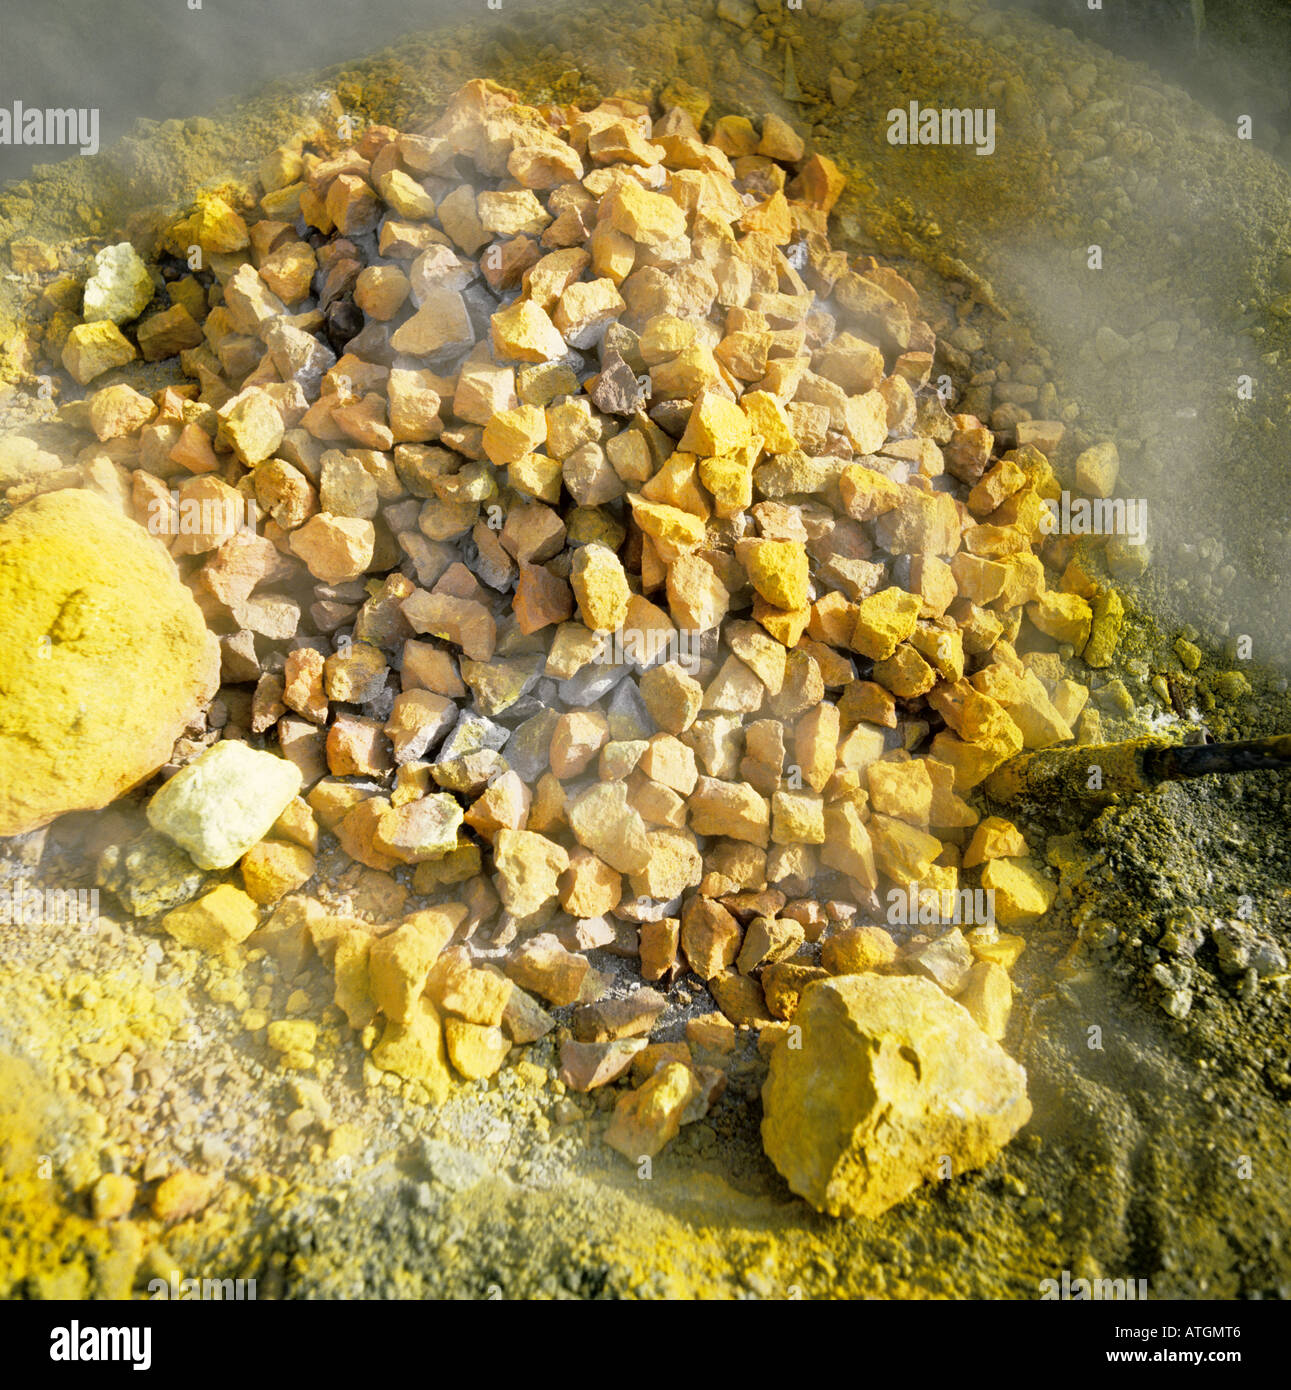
(619, 581)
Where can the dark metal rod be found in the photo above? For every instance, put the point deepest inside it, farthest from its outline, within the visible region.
(1098, 770)
(1202, 759)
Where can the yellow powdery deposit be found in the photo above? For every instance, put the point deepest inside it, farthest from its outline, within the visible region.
(105, 658)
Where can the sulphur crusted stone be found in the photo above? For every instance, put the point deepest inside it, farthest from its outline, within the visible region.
(891, 1078)
(94, 348)
(777, 570)
(273, 868)
(601, 588)
(524, 332)
(994, 838)
(854, 950)
(646, 1119)
(182, 1194)
(215, 922)
(1096, 469)
(732, 809)
(1105, 633)
(883, 620)
(988, 997)
(400, 961)
(605, 823)
(420, 830)
(476, 1050)
(224, 802)
(648, 218)
(105, 658)
(1022, 892)
(148, 875)
(414, 1049)
(528, 867)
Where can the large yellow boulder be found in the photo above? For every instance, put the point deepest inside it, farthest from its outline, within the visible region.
(104, 658)
(893, 1085)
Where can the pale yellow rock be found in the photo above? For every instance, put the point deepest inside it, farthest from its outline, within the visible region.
(902, 790)
(903, 852)
(527, 867)
(988, 997)
(603, 821)
(797, 818)
(1096, 469)
(1023, 893)
(890, 1079)
(732, 809)
(848, 846)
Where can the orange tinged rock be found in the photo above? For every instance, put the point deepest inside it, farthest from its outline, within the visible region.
(710, 936)
(578, 737)
(540, 599)
(334, 548)
(820, 182)
(659, 942)
(589, 887)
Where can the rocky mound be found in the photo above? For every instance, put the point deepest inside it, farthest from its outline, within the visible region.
(596, 541)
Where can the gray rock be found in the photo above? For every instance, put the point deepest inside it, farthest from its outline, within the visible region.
(149, 875)
(618, 392)
(591, 684)
(530, 746)
(621, 342)
(453, 1168)
(627, 713)
(470, 734)
(524, 708)
(1242, 948)
(298, 356)
(548, 691)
